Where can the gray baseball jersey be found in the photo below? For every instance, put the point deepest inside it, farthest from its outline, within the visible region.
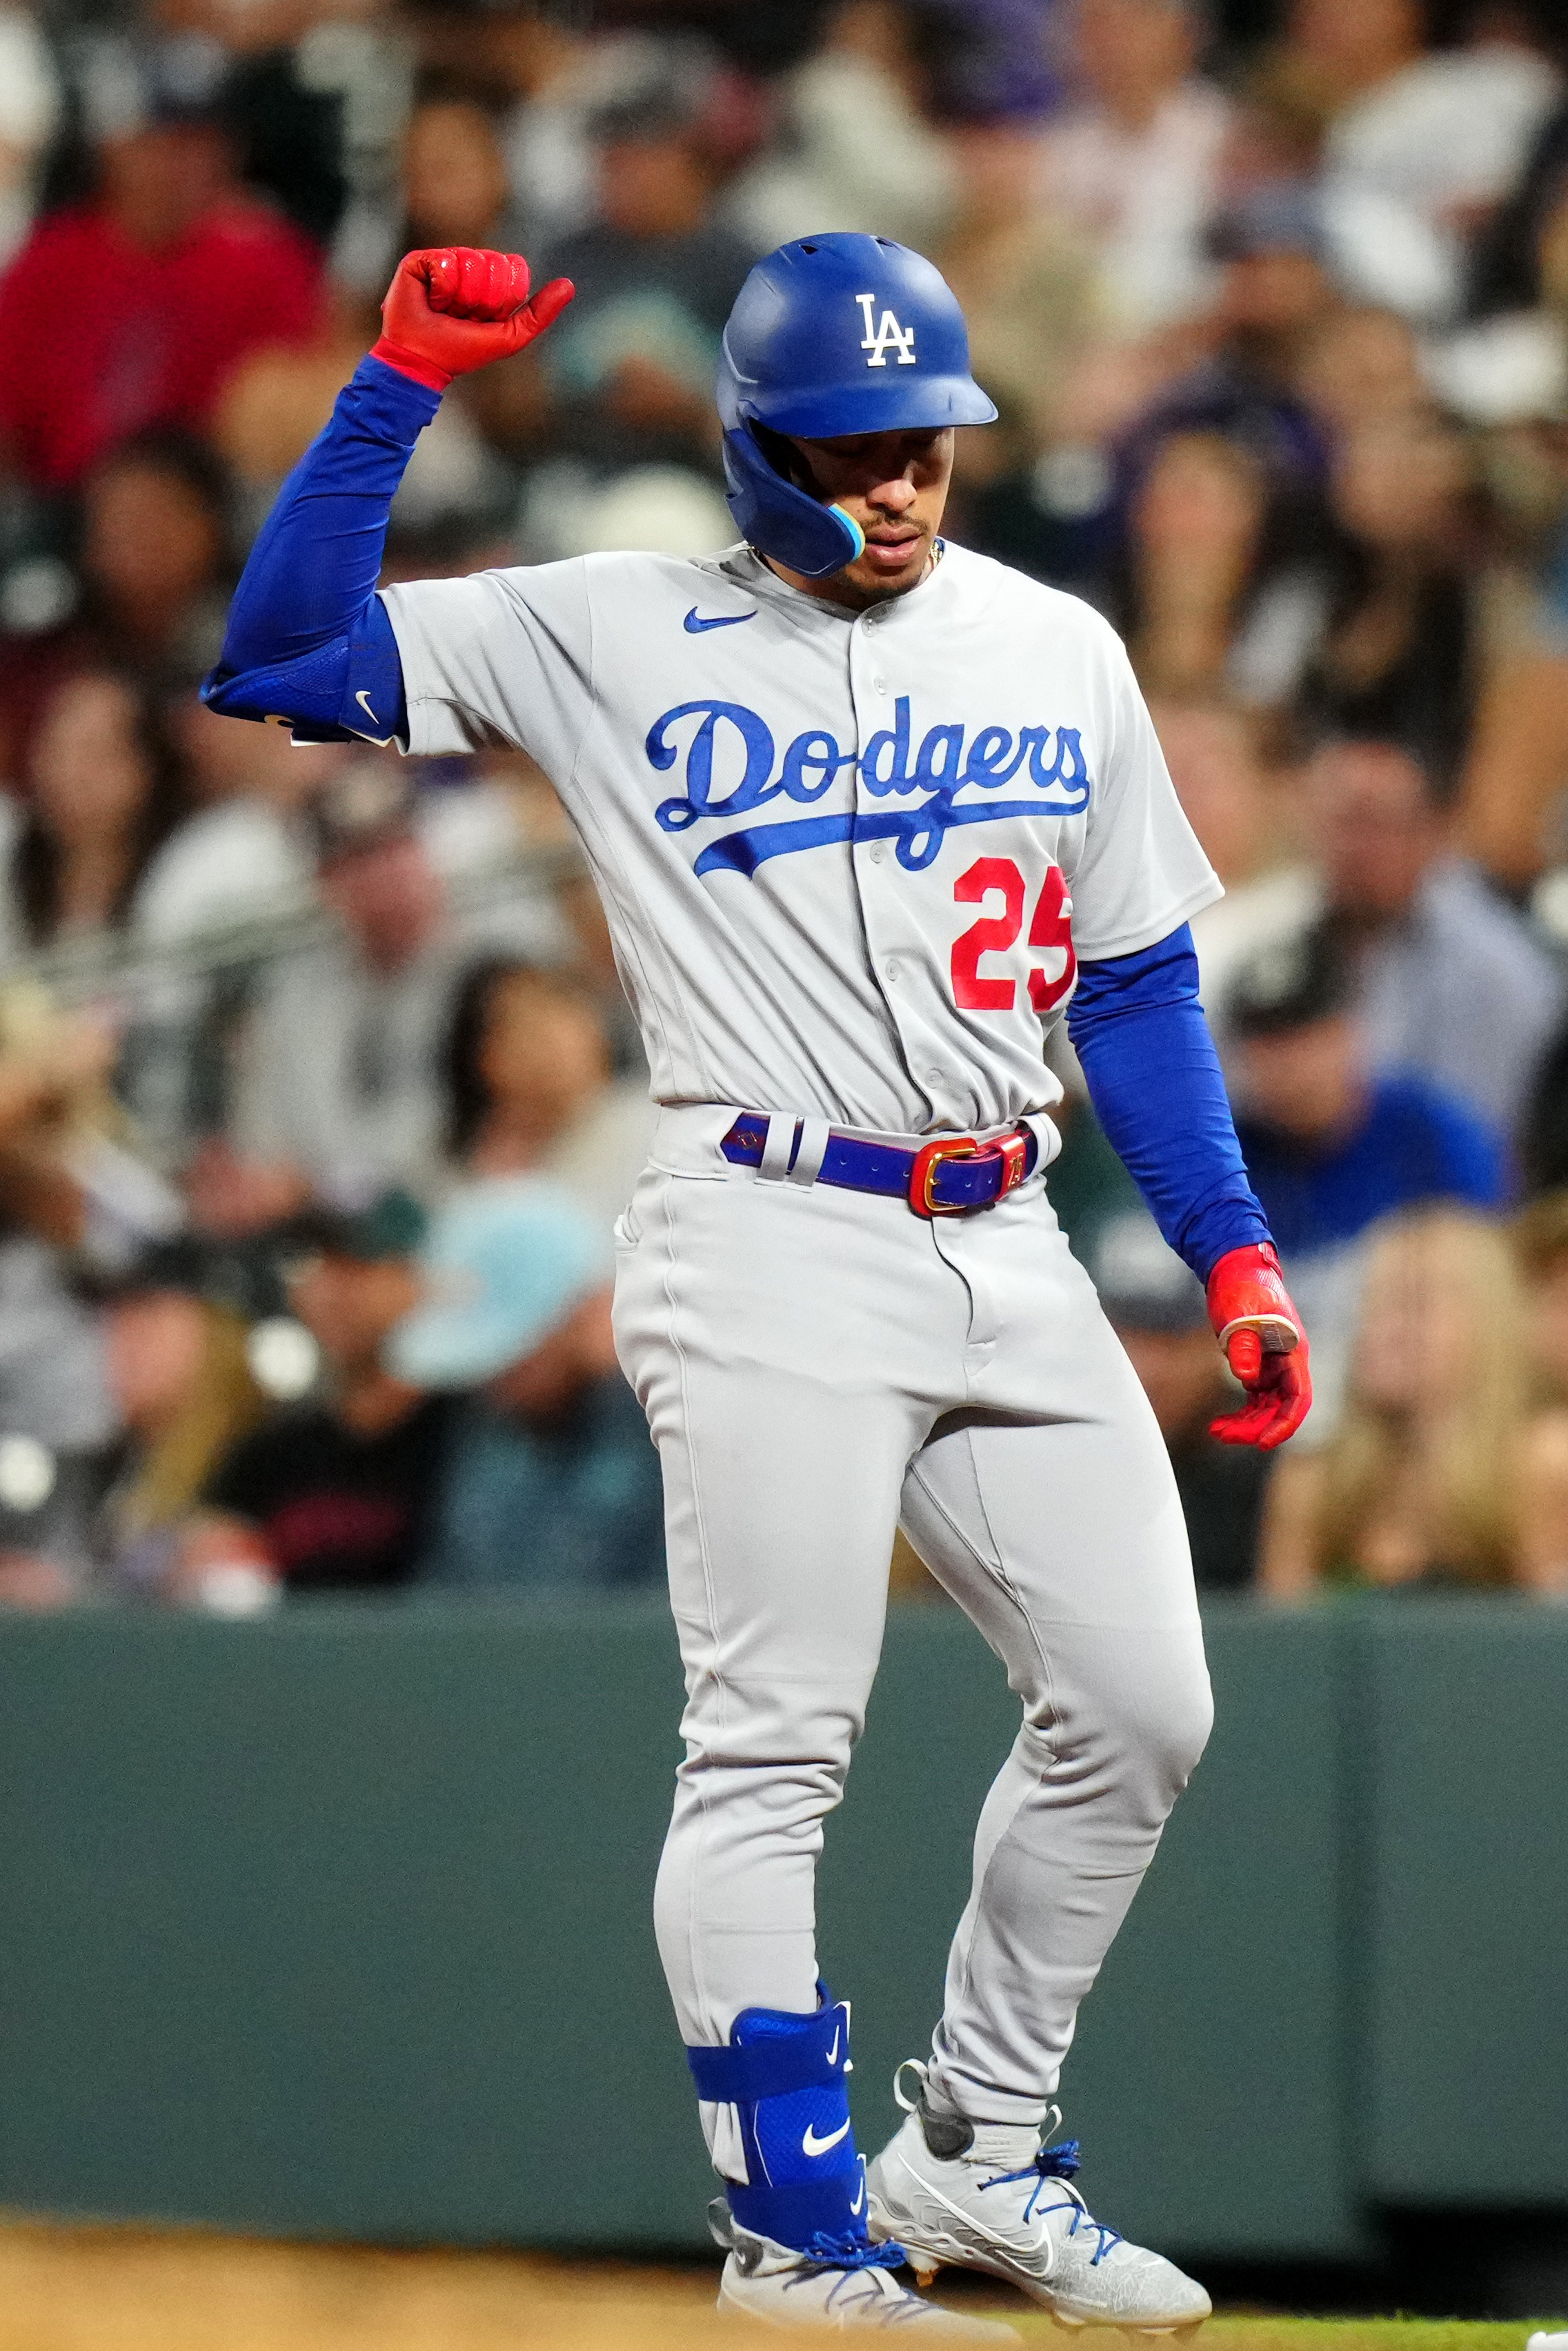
(848, 861)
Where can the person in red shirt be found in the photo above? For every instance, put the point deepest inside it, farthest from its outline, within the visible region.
(173, 275)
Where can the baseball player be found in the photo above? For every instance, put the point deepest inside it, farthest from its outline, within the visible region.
(868, 811)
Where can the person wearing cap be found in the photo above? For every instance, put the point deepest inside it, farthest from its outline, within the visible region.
(1156, 1306)
(1449, 980)
(341, 1091)
(177, 1356)
(655, 275)
(131, 309)
(1333, 1141)
(551, 1484)
(333, 1493)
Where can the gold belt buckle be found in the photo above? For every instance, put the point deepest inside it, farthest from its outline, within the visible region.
(1011, 1149)
(928, 1160)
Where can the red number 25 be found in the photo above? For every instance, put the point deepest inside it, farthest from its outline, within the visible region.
(1050, 931)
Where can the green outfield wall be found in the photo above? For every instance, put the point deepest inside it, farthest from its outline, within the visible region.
(338, 1925)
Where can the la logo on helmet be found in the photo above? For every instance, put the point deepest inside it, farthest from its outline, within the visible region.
(887, 336)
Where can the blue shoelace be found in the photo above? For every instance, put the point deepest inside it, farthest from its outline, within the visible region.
(853, 2256)
(847, 2252)
(1060, 2163)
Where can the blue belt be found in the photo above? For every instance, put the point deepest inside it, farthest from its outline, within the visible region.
(951, 1176)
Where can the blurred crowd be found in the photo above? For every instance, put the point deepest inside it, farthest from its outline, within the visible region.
(318, 1097)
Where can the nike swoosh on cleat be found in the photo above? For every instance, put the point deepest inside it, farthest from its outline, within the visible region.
(833, 2051)
(858, 2206)
(1042, 2244)
(694, 625)
(812, 2145)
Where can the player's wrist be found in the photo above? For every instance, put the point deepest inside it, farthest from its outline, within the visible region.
(1246, 1291)
(414, 365)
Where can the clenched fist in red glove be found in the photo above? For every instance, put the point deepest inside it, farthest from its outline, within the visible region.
(448, 312)
(1265, 1346)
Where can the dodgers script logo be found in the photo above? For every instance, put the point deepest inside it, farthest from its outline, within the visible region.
(947, 765)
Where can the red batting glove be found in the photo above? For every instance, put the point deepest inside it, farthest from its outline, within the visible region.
(448, 312)
(1265, 1346)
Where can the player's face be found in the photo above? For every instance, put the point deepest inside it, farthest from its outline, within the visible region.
(895, 484)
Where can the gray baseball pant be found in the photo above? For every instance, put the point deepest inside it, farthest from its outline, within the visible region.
(818, 1366)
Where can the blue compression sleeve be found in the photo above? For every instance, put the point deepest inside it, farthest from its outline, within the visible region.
(1154, 1081)
(309, 639)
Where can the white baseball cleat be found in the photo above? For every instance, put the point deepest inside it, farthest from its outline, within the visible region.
(953, 2191)
(780, 2287)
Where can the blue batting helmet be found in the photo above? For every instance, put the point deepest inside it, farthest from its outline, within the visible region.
(834, 335)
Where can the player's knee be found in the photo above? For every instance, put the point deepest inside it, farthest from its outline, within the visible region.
(1149, 1723)
(1185, 1718)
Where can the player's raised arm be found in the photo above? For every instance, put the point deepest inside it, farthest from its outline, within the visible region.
(308, 641)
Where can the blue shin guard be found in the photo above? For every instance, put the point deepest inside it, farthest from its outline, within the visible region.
(784, 2075)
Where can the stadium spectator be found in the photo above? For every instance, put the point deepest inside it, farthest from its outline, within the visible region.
(1450, 982)
(1334, 1141)
(1157, 1309)
(455, 184)
(278, 398)
(656, 275)
(1231, 802)
(1361, 366)
(1026, 282)
(1438, 1474)
(242, 852)
(1520, 262)
(1273, 296)
(56, 1411)
(854, 148)
(155, 551)
(1214, 605)
(106, 789)
(1340, 49)
(333, 1493)
(339, 1092)
(183, 1395)
(1134, 168)
(150, 587)
(1402, 654)
(30, 111)
(1541, 1250)
(549, 1484)
(174, 274)
(1422, 149)
(528, 1088)
(550, 69)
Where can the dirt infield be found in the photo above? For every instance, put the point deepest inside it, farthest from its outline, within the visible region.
(112, 2289)
(64, 2289)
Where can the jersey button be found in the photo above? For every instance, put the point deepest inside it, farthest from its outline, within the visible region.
(879, 684)
(876, 852)
(891, 970)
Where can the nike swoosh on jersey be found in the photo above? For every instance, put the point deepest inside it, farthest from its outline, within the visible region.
(694, 625)
(363, 699)
(812, 2145)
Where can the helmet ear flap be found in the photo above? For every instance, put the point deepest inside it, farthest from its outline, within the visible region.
(782, 520)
